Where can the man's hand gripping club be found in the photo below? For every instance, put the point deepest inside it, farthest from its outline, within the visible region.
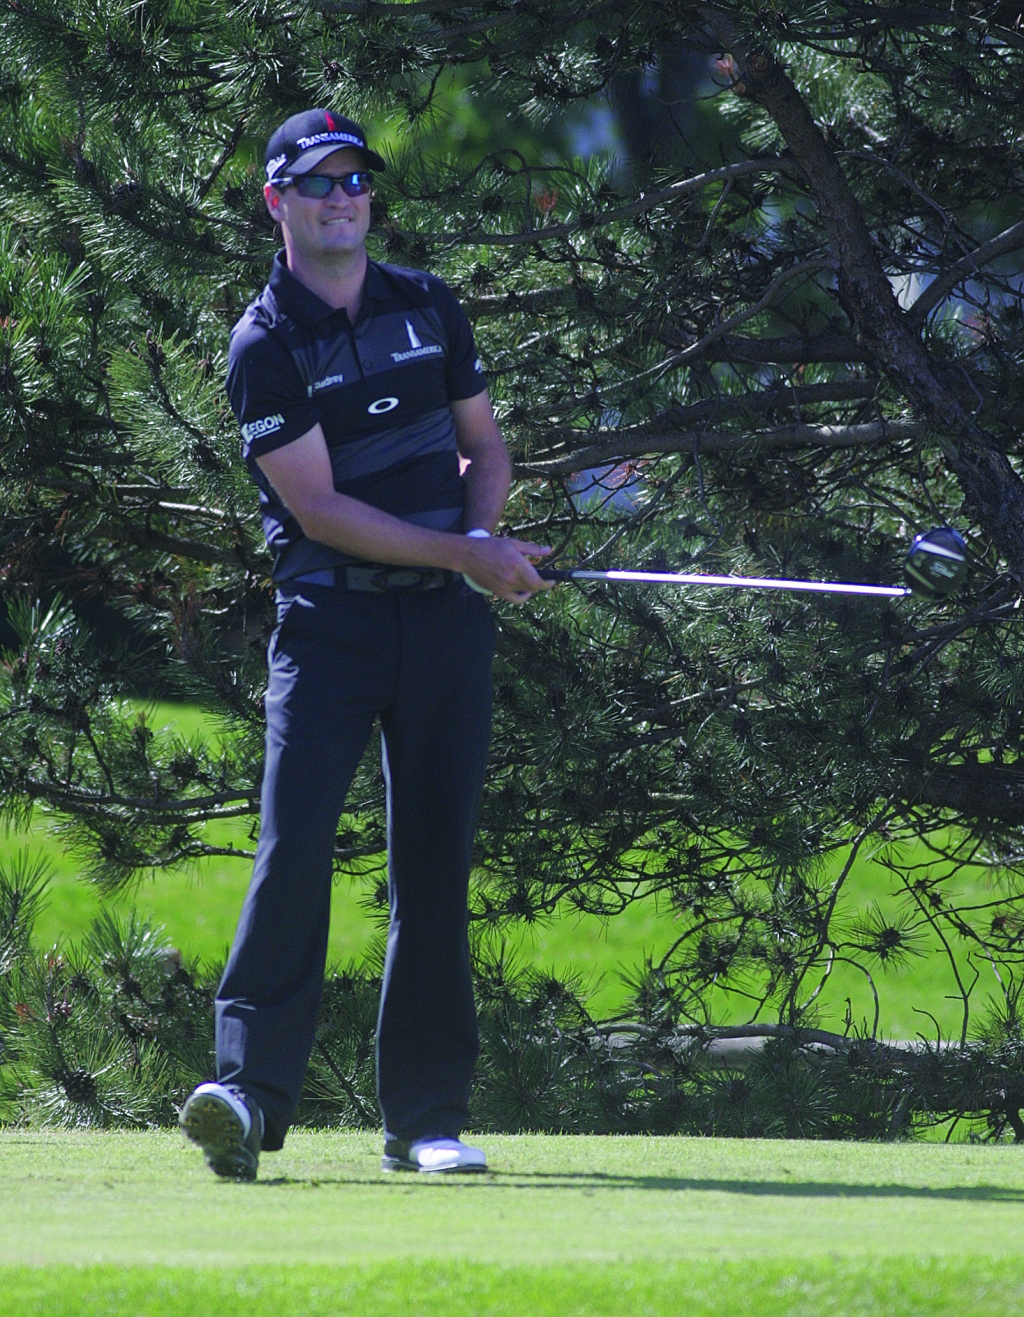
(502, 567)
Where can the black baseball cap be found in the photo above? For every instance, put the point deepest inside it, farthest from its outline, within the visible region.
(305, 139)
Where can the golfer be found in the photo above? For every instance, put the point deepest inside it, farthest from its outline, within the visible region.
(358, 389)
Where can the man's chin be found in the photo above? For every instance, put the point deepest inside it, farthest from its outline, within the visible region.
(341, 239)
(349, 247)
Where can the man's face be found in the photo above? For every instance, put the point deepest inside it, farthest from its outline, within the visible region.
(336, 225)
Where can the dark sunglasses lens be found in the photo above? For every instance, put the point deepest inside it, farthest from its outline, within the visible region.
(319, 186)
(315, 185)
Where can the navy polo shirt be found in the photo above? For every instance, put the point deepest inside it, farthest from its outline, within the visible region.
(380, 388)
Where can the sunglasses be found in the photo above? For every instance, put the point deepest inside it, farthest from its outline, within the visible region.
(319, 186)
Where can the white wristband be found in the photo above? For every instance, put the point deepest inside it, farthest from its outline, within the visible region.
(476, 534)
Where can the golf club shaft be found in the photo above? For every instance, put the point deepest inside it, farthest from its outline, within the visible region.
(735, 582)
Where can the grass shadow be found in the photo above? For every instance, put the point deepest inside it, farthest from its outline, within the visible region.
(543, 1181)
(770, 1188)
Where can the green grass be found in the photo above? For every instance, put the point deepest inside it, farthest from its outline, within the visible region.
(130, 1224)
(199, 909)
(910, 1288)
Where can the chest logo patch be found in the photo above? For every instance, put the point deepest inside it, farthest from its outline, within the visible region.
(416, 347)
(382, 405)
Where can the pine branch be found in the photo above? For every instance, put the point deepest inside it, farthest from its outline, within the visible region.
(664, 196)
(145, 538)
(780, 351)
(80, 798)
(643, 443)
(229, 149)
(712, 411)
(979, 791)
(1010, 240)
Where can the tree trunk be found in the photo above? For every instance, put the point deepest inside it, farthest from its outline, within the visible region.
(993, 492)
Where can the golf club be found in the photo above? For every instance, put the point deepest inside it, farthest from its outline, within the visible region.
(934, 569)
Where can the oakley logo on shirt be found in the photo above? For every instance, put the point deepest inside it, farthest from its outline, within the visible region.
(383, 405)
(267, 425)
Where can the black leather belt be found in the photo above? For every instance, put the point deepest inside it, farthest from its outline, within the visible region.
(375, 579)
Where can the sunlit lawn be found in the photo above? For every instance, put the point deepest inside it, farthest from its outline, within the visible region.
(132, 1225)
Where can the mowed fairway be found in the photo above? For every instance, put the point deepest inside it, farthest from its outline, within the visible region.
(132, 1224)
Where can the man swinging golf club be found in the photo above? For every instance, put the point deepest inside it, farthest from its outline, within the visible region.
(357, 388)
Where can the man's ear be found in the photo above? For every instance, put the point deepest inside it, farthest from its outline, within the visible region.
(273, 199)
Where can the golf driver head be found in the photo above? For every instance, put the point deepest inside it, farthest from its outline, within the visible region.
(936, 563)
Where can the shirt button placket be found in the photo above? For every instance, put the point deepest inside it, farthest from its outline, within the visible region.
(364, 363)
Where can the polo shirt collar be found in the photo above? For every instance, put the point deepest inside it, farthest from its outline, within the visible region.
(378, 286)
(302, 304)
(293, 297)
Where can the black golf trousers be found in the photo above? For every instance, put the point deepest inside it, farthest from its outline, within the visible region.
(421, 662)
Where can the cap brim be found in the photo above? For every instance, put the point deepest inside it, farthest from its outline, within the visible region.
(311, 158)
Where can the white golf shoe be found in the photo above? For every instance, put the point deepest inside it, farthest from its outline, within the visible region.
(228, 1126)
(432, 1155)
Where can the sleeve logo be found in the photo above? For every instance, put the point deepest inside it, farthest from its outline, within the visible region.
(267, 425)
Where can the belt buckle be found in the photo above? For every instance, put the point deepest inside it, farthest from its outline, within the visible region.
(393, 580)
(401, 579)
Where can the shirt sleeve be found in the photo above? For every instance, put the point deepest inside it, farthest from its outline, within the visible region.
(464, 374)
(266, 392)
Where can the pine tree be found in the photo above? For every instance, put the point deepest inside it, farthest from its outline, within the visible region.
(781, 344)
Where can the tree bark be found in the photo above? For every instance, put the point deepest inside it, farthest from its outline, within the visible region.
(973, 791)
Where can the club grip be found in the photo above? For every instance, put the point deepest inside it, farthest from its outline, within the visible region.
(555, 573)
